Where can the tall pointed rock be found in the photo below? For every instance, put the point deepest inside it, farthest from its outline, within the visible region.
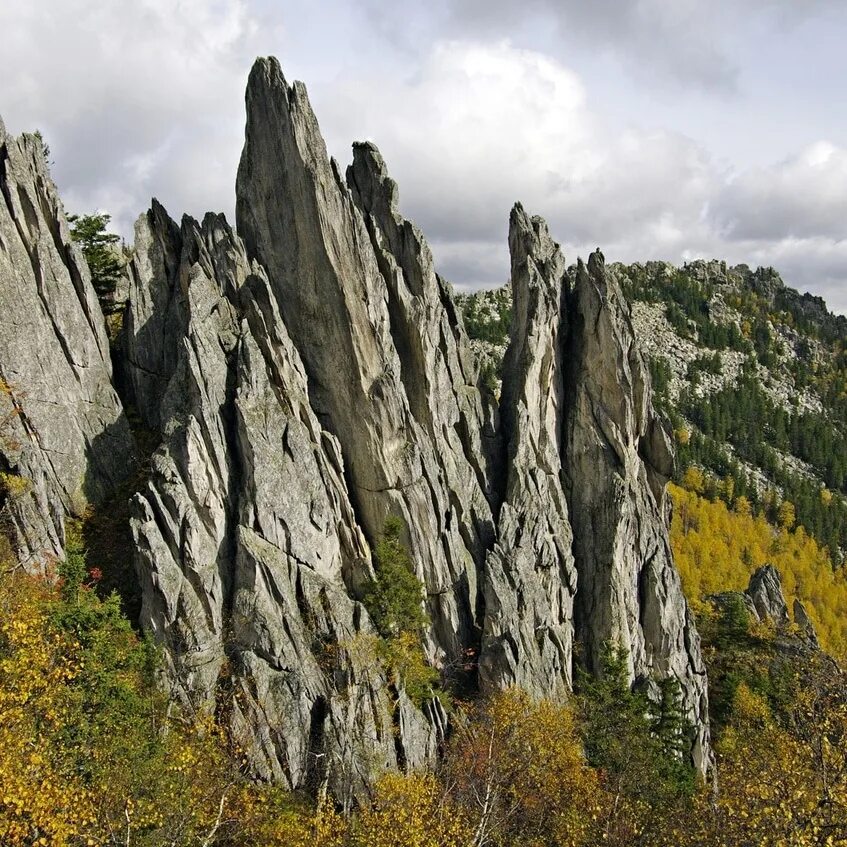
(378, 340)
(64, 439)
(248, 550)
(436, 363)
(617, 460)
(530, 578)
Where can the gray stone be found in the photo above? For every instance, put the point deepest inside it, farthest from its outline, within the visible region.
(380, 342)
(628, 590)
(155, 314)
(765, 591)
(530, 578)
(804, 623)
(305, 385)
(248, 551)
(63, 433)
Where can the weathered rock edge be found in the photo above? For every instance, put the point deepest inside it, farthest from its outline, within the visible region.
(64, 439)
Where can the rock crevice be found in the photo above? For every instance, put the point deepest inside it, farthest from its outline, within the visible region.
(249, 554)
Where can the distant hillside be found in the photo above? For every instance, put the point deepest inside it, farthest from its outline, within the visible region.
(752, 379)
(751, 374)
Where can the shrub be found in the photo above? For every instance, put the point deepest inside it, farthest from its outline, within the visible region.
(395, 596)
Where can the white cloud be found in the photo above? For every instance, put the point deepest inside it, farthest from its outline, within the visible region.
(664, 37)
(799, 198)
(684, 43)
(133, 97)
(483, 125)
(143, 97)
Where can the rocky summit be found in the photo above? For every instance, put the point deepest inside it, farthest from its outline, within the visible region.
(303, 378)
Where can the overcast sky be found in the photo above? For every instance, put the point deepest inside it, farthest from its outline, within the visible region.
(655, 129)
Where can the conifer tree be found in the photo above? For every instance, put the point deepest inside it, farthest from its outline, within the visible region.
(99, 248)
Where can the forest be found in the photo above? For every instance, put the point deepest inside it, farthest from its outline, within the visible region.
(94, 753)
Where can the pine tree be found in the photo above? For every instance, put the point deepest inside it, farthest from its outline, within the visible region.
(100, 250)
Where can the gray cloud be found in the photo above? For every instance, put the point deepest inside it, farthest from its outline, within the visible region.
(483, 125)
(134, 97)
(142, 98)
(665, 37)
(802, 197)
(681, 42)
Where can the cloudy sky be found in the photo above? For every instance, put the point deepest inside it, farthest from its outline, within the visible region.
(653, 128)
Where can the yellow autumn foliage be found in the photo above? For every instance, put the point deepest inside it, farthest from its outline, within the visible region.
(40, 795)
(777, 788)
(519, 767)
(411, 810)
(91, 753)
(717, 549)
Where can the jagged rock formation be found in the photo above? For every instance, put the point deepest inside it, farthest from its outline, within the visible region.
(582, 550)
(154, 319)
(804, 623)
(765, 602)
(530, 577)
(64, 440)
(313, 380)
(383, 354)
(248, 550)
(617, 460)
(765, 593)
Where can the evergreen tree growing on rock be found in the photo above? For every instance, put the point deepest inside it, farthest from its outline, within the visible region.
(100, 250)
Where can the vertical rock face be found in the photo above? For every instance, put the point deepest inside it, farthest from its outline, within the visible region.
(379, 341)
(765, 590)
(155, 318)
(437, 370)
(617, 458)
(582, 552)
(247, 546)
(64, 440)
(182, 518)
(530, 578)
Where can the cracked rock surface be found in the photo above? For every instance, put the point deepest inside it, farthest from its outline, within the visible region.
(530, 577)
(386, 359)
(247, 548)
(617, 460)
(63, 433)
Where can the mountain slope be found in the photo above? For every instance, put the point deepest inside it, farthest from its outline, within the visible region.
(752, 378)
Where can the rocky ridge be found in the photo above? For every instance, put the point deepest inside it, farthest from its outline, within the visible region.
(248, 549)
(530, 576)
(712, 332)
(64, 438)
(309, 377)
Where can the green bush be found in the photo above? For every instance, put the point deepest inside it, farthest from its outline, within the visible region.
(395, 596)
(395, 602)
(642, 746)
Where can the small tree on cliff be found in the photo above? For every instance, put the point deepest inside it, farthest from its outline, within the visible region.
(100, 250)
(394, 598)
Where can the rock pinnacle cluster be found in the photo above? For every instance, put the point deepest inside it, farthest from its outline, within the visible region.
(306, 376)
